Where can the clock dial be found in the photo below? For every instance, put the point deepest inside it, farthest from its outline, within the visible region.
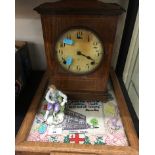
(79, 51)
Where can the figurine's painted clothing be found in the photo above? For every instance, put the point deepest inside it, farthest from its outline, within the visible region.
(56, 102)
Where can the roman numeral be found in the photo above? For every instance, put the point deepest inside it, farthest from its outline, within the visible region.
(69, 67)
(87, 65)
(61, 44)
(88, 38)
(79, 35)
(95, 43)
(95, 47)
(60, 52)
(69, 36)
(78, 68)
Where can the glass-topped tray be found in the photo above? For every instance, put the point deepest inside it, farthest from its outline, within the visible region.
(85, 122)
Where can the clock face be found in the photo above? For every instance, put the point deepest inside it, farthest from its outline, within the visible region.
(79, 51)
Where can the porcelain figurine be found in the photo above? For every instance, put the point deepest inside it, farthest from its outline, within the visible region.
(55, 106)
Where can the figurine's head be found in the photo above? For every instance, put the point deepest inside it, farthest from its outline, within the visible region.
(52, 88)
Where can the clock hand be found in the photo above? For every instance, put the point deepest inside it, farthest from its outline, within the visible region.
(79, 53)
(92, 63)
(88, 57)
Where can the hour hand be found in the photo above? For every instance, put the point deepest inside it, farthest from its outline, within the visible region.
(79, 53)
(88, 57)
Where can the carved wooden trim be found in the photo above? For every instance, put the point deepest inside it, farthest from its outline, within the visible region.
(80, 7)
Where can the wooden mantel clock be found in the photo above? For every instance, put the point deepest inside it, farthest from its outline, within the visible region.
(78, 37)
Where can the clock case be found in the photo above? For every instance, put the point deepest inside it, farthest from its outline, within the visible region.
(95, 15)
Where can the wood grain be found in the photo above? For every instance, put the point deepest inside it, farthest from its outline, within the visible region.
(52, 29)
(31, 153)
(55, 22)
(39, 147)
(125, 115)
(80, 7)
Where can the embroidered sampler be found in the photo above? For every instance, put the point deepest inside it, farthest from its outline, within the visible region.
(85, 122)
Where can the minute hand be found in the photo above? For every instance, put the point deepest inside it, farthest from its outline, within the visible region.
(88, 57)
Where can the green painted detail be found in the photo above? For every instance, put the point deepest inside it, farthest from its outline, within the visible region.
(87, 140)
(62, 108)
(94, 122)
(99, 140)
(42, 112)
(53, 139)
(60, 99)
(66, 139)
(109, 109)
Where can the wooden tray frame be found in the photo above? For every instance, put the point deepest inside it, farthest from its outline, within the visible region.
(43, 148)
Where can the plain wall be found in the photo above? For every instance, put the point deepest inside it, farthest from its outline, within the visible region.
(28, 28)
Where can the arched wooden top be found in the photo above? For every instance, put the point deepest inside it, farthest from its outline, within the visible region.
(80, 7)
